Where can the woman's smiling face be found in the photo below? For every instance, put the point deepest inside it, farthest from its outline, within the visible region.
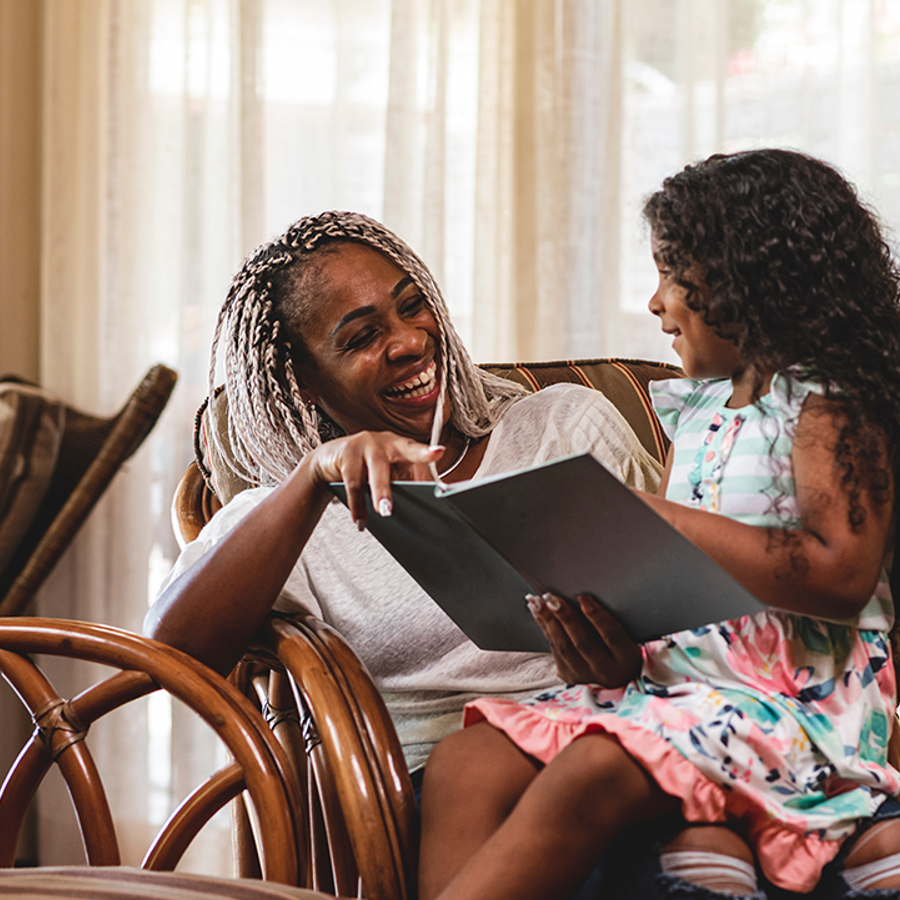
(373, 346)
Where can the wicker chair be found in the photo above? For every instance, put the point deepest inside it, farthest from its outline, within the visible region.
(358, 798)
(142, 666)
(91, 450)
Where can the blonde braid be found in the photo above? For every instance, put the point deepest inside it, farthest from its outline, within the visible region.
(269, 427)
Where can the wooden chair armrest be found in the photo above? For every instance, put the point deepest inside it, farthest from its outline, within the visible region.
(193, 505)
(357, 758)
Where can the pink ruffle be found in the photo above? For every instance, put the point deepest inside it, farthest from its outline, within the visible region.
(789, 859)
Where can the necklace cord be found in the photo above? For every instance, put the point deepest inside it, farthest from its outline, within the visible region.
(455, 464)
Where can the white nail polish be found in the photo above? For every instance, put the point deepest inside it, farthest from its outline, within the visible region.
(384, 507)
(552, 602)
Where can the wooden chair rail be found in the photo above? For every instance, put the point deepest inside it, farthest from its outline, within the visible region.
(359, 802)
(260, 764)
(370, 717)
(192, 814)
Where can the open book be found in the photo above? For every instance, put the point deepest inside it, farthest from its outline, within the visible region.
(568, 527)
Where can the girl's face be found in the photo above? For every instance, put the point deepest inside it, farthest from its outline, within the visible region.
(704, 354)
(373, 346)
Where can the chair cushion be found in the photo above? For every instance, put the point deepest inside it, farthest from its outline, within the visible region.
(623, 381)
(31, 429)
(127, 883)
(218, 475)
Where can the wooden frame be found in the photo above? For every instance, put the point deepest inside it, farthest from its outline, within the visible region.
(358, 800)
(259, 765)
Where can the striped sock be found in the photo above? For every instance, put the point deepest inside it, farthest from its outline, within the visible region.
(865, 877)
(716, 871)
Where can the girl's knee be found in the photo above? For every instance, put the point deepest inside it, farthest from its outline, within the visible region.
(597, 763)
(477, 759)
(479, 747)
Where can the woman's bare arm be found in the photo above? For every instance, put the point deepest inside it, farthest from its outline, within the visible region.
(212, 610)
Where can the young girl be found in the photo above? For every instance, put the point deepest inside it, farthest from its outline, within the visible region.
(782, 301)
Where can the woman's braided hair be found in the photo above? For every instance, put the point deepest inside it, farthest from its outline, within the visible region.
(269, 427)
(800, 278)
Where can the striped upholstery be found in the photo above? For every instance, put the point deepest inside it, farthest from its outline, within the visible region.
(623, 381)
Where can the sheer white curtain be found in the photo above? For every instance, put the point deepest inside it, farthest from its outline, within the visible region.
(509, 141)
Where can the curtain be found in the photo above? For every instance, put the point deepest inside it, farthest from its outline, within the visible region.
(509, 141)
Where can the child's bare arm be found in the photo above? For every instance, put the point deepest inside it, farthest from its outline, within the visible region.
(827, 568)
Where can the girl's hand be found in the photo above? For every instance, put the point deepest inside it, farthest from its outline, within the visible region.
(374, 458)
(590, 646)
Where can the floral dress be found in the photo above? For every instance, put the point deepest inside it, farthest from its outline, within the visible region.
(776, 721)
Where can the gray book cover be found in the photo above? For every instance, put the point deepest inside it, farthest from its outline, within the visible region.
(569, 527)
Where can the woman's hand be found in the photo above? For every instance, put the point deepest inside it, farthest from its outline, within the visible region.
(374, 458)
(589, 644)
(230, 590)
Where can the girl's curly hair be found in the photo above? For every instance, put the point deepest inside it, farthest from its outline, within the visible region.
(801, 278)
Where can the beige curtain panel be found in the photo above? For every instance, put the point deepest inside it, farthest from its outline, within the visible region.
(509, 141)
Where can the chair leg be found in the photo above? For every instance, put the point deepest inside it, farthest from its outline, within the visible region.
(246, 857)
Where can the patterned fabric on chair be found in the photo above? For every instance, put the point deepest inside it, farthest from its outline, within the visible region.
(55, 463)
(623, 381)
(124, 883)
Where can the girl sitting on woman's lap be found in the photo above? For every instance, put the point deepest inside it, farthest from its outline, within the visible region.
(782, 299)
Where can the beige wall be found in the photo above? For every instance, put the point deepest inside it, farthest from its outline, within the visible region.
(20, 182)
(20, 155)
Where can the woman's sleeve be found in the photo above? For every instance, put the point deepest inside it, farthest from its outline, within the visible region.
(597, 426)
(295, 596)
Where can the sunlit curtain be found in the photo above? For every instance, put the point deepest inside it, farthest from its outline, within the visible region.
(509, 141)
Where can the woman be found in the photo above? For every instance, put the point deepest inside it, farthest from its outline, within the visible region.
(341, 364)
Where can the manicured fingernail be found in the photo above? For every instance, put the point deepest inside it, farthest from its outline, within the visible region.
(384, 507)
(435, 447)
(534, 603)
(552, 602)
